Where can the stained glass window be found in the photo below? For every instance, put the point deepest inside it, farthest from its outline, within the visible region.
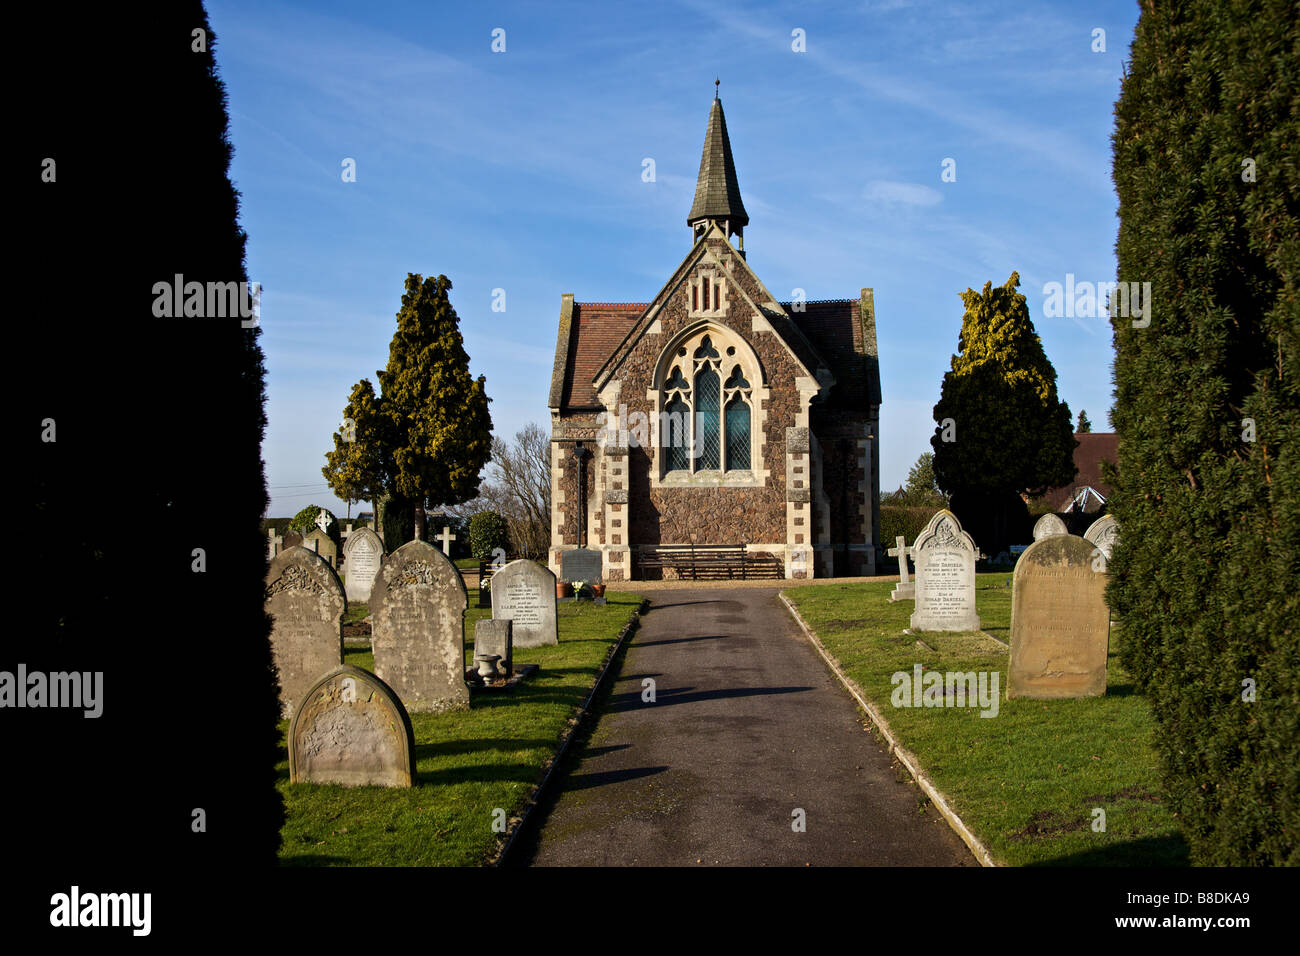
(737, 435)
(674, 435)
(708, 434)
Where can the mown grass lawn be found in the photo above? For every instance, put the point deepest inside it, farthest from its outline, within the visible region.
(467, 764)
(1028, 780)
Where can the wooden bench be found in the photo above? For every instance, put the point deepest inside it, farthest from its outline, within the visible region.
(707, 562)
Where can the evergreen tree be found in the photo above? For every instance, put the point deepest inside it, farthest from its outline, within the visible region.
(429, 434)
(355, 468)
(1084, 426)
(1001, 430)
(921, 488)
(1206, 577)
(162, 417)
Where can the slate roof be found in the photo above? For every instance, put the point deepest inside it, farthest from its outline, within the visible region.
(717, 193)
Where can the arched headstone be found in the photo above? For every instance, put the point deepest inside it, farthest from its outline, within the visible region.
(304, 598)
(944, 556)
(352, 730)
(1060, 625)
(523, 592)
(362, 554)
(1103, 533)
(1048, 525)
(417, 608)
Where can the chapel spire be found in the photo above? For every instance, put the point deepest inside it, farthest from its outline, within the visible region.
(717, 194)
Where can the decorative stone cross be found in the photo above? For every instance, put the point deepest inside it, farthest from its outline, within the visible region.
(901, 552)
(274, 541)
(446, 538)
(323, 520)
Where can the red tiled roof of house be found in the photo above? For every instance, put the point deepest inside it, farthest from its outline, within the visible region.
(598, 328)
(1092, 450)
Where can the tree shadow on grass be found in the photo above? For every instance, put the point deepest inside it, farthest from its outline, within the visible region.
(525, 773)
(451, 748)
(1165, 851)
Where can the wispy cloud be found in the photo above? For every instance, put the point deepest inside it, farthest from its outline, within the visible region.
(905, 194)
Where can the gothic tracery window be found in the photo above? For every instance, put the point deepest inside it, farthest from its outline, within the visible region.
(708, 409)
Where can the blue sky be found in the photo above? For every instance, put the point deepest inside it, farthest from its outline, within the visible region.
(522, 171)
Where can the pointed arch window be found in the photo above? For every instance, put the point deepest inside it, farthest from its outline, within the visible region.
(706, 425)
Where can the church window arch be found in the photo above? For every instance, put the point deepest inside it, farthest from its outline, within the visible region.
(708, 409)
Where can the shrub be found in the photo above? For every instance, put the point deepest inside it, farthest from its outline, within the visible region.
(487, 532)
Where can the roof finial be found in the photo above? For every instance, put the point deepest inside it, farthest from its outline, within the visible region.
(716, 84)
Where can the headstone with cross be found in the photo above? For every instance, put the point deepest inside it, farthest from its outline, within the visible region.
(323, 520)
(273, 543)
(905, 590)
(446, 538)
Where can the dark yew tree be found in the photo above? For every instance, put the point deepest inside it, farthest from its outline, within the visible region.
(1206, 577)
(1000, 429)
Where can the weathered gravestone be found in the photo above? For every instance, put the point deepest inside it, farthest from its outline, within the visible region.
(362, 553)
(1103, 533)
(417, 608)
(320, 542)
(1060, 625)
(904, 590)
(305, 601)
(524, 592)
(292, 539)
(494, 637)
(581, 564)
(274, 543)
(1048, 525)
(945, 577)
(351, 729)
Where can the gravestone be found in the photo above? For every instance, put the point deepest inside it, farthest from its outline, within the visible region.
(323, 520)
(446, 538)
(494, 637)
(945, 577)
(1060, 624)
(362, 553)
(305, 601)
(1103, 533)
(320, 542)
(524, 592)
(1048, 525)
(292, 539)
(581, 564)
(417, 608)
(351, 730)
(904, 590)
(274, 543)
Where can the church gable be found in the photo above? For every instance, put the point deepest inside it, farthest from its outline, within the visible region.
(714, 414)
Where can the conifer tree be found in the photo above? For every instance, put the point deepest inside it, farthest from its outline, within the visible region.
(1084, 425)
(1205, 580)
(1000, 429)
(428, 434)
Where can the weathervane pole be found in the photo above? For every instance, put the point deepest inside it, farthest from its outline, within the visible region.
(716, 83)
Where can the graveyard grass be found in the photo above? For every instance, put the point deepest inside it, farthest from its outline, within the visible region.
(1026, 781)
(467, 763)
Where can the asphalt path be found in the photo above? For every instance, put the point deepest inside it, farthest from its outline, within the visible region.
(747, 727)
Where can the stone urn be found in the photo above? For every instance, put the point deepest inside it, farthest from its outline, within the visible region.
(487, 666)
(563, 589)
(597, 590)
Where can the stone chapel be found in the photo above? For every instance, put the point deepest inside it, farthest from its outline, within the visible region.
(715, 414)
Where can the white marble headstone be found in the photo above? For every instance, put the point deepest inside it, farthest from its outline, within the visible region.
(944, 555)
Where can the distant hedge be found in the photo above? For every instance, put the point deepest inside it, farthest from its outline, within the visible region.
(905, 520)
